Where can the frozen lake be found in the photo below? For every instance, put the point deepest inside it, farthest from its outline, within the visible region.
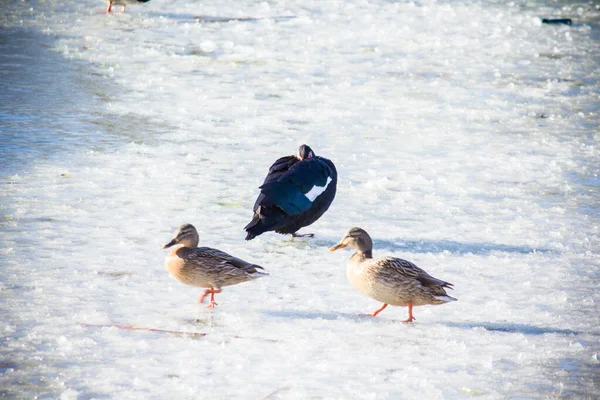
(466, 137)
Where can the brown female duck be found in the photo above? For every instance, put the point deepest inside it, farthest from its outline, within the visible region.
(206, 267)
(390, 280)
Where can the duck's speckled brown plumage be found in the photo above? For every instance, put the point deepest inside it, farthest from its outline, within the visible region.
(388, 279)
(395, 281)
(206, 267)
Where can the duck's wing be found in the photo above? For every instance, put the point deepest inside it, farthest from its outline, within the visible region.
(279, 167)
(220, 259)
(295, 190)
(410, 270)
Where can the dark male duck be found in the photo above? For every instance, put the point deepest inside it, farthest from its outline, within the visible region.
(297, 190)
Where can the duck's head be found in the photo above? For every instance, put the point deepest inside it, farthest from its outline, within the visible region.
(356, 238)
(186, 235)
(304, 152)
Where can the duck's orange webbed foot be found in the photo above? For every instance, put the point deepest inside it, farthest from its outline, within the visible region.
(374, 313)
(410, 316)
(212, 304)
(212, 292)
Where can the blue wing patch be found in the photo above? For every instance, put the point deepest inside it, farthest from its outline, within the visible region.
(287, 196)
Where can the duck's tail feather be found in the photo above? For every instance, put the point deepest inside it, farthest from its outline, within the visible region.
(445, 299)
(258, 274)
(264, 219)
(251, 227)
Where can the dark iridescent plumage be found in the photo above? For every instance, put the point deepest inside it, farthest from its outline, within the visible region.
(296, 192)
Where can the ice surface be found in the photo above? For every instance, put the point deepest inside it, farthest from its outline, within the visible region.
(466, 140)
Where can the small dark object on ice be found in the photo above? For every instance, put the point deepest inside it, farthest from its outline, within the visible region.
(123, 3)
(564, 21)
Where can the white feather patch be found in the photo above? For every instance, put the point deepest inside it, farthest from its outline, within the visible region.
(313, 193)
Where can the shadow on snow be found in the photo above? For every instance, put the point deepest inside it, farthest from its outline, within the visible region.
(186, 18)
(508, 327)
(296, 314)
(439, 246)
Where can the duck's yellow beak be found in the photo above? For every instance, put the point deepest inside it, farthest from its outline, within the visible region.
(337, 246)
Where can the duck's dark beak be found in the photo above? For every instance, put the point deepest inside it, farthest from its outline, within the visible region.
(337, 246)
(171, 243)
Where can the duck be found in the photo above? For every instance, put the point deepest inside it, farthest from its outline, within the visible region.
(123, 3)
(206, 267)
(296, 192)
(390, 280)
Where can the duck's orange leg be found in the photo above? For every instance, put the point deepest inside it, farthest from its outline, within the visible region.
(201, 298)
(212, 292)
(212, 303)
(410, 316)
(374, 313)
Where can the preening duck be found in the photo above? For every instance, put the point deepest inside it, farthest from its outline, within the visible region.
(297, 190)
(206, 267)
(390, 280)
(123, 3)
